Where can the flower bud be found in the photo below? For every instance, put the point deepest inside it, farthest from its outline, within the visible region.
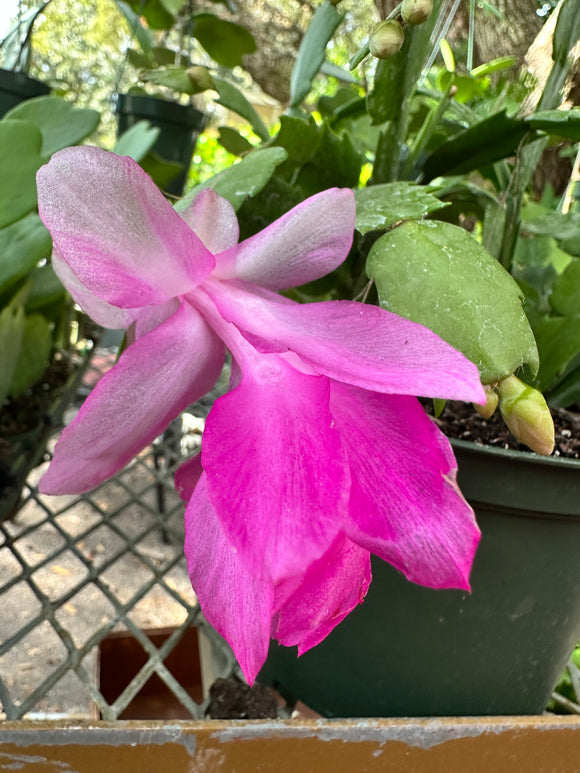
(525, 412)
(387, 39)
(416, 11)
(486, 411)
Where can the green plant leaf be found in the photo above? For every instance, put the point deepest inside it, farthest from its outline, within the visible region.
(565, 297)
(22, 245)
(558, 340)
(159, 169)
(223, 40)
(312, 50)
(20, 159)
(11, 332)
(246, 178)
(484, 143)
(61, 123)
(153, 12)
(300, 138)
(556, 224)
(334, 71)
(495, 65)
(173, 77)
(144, 37)
(233, 99)
(336, 163)
(137, 141)
(233, 141)
(438, 275)
(34, 355)
(46, 289)
(561, 123)
(381, 206)
(173, 6)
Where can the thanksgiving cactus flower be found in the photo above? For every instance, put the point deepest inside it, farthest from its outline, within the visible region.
(316, 457)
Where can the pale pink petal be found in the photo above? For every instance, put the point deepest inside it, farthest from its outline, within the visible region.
(100, 311)
(277, 474)
(331, 588)
(236, 604)
(305, 244)
(156, 378)
(351, 342)
(213, 219)
(112, 225)
(405, 504)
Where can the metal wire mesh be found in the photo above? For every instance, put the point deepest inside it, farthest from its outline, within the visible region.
(73, 569)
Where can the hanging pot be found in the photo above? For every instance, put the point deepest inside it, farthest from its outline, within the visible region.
(16, 87)
(180, 127)
(412, 651)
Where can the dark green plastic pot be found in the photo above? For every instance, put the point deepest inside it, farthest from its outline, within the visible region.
(180, 127)
(413, 651)
(15, 87)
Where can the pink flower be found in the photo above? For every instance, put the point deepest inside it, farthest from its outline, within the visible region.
(316, 457)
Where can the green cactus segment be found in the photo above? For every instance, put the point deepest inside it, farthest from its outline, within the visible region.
(435, 273)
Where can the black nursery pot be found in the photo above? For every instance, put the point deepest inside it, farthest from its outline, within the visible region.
(413, 651)
(180, 127)
(16, 87)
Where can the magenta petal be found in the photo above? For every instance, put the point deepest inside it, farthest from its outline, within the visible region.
(405, 504)
(277, 474)
(306, 243)
(213, 220)
(187, 477)
(236, 604)
(331, 588)
(156, 378)
(112, 225)
(351, 342)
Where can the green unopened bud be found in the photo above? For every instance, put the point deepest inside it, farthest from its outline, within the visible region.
(387, 39)
(486, 411)
(525, 412)
(416, 11)
(200, 78)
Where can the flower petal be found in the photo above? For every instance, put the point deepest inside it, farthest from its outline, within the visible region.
(213, 219)
(236, 604)
(306, 243)
(405, 504)
(154, 380)
(277, 474)
(331, 588)
(112, 225)
(100, 311)
(351, 342)
(187, 477)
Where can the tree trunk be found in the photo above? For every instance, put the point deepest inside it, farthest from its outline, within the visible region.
(511, 35)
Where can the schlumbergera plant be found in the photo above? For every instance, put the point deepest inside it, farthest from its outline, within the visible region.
(319, 454)
(316, 457)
